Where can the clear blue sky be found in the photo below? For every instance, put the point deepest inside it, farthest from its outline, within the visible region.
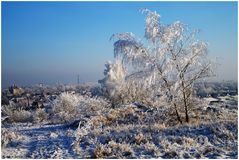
(49, 42)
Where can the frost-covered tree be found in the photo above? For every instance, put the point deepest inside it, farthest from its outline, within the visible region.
(170, 62)
(120, 86)
(114, 76)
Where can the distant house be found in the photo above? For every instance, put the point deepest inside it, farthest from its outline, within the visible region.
(15, 90)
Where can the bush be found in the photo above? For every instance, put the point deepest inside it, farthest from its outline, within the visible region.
(16, 114)
(70, 107)
(40, 115)
(10, 138)
(7, 137)
(65, 107)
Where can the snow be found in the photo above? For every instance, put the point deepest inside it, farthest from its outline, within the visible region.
(47, 141)
(127, 132)
(209, 99)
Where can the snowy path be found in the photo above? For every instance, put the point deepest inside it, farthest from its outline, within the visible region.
(49, 141)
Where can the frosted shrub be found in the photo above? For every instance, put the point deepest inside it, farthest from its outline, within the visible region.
(22, 116)
(113, 150)
(65, 107)
(40, 115)
(16, 114)
(70, 107)
(8, 137)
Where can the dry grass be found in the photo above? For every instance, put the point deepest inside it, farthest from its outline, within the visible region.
(139, 131)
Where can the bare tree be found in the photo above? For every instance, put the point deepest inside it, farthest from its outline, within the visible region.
(170, 64)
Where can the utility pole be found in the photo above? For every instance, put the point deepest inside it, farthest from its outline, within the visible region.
(78, 79)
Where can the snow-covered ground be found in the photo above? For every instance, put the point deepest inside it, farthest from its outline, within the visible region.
(128, 132)
(36, 141)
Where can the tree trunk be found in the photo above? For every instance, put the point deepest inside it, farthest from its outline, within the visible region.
(184, 99)
(185, 104)
(186, 108)
(178, 116)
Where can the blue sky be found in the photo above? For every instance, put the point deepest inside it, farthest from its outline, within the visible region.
(49, 42)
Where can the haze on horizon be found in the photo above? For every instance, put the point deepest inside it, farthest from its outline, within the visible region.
(50, 42)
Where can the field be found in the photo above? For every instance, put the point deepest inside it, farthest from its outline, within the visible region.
(129, 131)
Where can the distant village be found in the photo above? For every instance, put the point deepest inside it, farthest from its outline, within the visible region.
(41, 96)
